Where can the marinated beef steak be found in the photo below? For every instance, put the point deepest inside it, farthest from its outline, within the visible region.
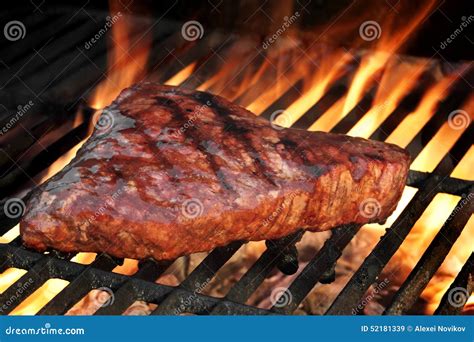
(169, 172)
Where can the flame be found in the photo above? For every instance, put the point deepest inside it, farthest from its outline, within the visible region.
(441, 143)
(129, 267)
(393, 80)
(392, 37)
(127, 59)
(10, 276)
(465, 166)
(442, 205)
(412, 124)
(329, 70)
(182, 75)
(460, 252)
(282, 74)
(39, 298)
(397, 80)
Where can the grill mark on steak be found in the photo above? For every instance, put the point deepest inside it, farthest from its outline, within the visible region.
(198, 141)
(155, 147)
(238, 131)
(324, 180)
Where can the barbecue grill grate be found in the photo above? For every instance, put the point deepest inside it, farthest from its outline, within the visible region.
(172, 54)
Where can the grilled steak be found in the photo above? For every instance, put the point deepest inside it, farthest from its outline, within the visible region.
(169, 172)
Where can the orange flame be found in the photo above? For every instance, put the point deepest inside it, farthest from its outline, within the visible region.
(127, 59)
(127, 62)
(392, 37)
(396, 82)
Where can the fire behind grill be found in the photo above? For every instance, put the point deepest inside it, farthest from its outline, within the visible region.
(69, 68)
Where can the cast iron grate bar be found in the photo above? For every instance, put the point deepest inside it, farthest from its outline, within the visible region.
(273, 256)
(152, 292)
(285, 100)
(197, 280)
(35, 38)
(42, 160)
(130, 292)
(78, 288)
(321, 106)
(209, 64)
(323, 261)
(406, 106)
(432, 258)
(25, 286)
(186, 297)
(366, 275)
(459, 292)
(356, 113)
(422, 138)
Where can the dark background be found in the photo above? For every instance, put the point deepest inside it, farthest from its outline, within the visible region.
(264, 17)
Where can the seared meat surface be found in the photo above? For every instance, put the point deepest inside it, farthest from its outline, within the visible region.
(169, 171)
